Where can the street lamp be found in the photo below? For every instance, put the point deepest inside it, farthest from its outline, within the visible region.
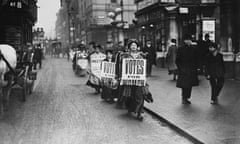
(118, 10)
(152, 31)
(71, 28)
(111, 15)
(116, 22)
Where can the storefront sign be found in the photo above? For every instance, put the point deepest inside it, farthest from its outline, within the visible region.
(133, 72)
(108, 70)
(208, 27)
(228, 56)
(183, 10)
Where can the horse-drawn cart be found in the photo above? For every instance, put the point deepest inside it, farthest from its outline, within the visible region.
(15, 72)
(25, 78)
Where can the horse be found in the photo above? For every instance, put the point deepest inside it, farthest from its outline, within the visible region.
(8, 62)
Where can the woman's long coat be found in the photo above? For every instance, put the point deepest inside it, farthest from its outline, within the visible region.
(187, 67)
(171, 57)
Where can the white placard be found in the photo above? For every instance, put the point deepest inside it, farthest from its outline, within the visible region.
(108, 70)
(83, 63)
(133, 72)
(95, 62)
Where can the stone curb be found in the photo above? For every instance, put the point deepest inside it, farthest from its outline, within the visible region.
(174, 127)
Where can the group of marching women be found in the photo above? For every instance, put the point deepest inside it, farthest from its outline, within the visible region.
(121, 77)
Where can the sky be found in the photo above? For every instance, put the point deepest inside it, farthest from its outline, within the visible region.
(47, 15)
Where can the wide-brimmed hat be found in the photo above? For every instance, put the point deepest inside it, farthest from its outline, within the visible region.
(130, 41)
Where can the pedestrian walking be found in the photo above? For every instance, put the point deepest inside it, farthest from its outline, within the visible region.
(67, 52)
(186, 61)
(37, 58)
(95, 59)
(118, 92)
(107, 91)
(202, 50)
(151, 57)
(215, 71)
(171, 58)
(133, 94)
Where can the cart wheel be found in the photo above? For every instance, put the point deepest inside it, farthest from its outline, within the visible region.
(24, 87)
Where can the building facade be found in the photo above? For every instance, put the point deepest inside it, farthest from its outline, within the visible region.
(97, 26)
(88, 20)
(162, 20)
(17, 20)
(230, 36)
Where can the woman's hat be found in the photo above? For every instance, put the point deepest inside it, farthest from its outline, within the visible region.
(132, 41)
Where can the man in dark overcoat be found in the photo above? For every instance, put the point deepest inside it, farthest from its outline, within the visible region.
(203, 51)
(151, 57)
(186, 61)
(215, 71)
(37, 58)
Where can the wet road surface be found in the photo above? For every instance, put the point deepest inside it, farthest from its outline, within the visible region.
(63, 110)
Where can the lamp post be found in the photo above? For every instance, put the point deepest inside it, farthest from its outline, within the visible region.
(70, 12)
(69, 25)
(152, 30)
(118, 24)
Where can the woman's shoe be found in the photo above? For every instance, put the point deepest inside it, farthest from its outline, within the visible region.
(186, 102)
(110, 101)
(214, 102)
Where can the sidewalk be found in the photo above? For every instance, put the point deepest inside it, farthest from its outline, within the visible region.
(211, 124)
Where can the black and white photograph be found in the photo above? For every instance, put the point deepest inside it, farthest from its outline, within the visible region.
(119, 71)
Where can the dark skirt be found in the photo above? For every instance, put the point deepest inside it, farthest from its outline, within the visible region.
(172, 72)
(93, 81)
(107, 93)
(134, 103)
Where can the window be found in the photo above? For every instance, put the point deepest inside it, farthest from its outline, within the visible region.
(113, 1)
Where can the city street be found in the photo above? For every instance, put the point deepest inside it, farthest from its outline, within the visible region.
(132, 46)
(63, 110)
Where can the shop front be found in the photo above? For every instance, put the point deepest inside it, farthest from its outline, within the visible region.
(17, 21)
(164, 21)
